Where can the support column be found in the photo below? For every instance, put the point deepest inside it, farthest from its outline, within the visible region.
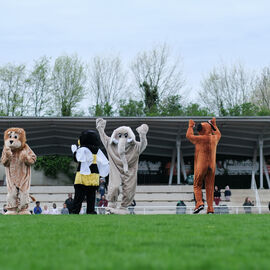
(178, 146)
(183, 167)
(266, 173)
(261, 161)
(172, 166)
(253, 181)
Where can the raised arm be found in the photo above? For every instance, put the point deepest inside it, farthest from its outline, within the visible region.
(217, 132)
(190, 134)
(6, 156)
(142, 130)
(101, 124)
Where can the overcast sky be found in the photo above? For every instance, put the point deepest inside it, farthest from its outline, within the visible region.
(203, 32)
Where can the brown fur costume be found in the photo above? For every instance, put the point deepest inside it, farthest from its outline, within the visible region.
(17, 157)
(204, 161)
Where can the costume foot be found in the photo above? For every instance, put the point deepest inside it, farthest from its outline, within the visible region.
(210, 213)
(24, 212)
(197, 210)
(9, 212)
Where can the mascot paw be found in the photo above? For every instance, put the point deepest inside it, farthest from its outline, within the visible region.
(142, 129)
(191, 123)
(74, 148)
(101, 123)
(213, 121)
(8, 151)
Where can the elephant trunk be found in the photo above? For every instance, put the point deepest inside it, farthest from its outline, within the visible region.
(122, 154)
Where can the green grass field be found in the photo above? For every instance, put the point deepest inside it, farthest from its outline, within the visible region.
(135, 242)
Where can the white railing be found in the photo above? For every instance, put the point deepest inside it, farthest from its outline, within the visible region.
(148, 210)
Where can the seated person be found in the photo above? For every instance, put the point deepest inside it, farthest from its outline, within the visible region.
(102, 203)
(247, 203)
(45, 211)
(37, 209)
(54, 210)
(64, 210)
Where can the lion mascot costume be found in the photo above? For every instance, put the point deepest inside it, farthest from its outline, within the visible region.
(204, 161)
(17, 157)
(92, 164)
(123, 151)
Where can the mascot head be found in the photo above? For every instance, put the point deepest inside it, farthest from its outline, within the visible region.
(90, 139)
(15, 138)
(205, 128)
(122, 138)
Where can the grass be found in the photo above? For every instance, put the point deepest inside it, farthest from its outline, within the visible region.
(135, 242)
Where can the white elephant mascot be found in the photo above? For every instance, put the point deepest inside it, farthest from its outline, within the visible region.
(123, 151)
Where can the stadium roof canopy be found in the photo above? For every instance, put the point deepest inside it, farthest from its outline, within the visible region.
(240, 135)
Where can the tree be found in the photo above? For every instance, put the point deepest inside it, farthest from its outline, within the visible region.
(14, 90)
(151, 99)
(101, 110)
(159, 71)
(194, 109)
(171, 106)
(261, 95)
(68, 81)
(40, 82)
(131, 108)
(107, 81)
(226, 87)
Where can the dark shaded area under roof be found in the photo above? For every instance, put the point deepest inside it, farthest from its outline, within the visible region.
(48, 135)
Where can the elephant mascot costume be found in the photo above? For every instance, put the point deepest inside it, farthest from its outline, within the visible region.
(123, 151)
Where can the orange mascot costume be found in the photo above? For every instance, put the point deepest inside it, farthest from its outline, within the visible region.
(204, 161)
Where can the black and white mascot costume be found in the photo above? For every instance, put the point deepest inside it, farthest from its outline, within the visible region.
(92, 164)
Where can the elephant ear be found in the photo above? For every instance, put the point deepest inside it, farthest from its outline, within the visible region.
(131, 135)
(113, 139)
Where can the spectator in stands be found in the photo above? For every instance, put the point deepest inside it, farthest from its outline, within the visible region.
(102, 186)
(45, 211)
(37, 209)
(132, 207)
(64, 210)
(102, 203)
(227, 193)
(217, 195)
(181, 207)
(54, 210)
(247, 205)
(4, 209)
(69, 202)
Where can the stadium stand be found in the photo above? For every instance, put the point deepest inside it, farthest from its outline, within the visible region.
(152, 199)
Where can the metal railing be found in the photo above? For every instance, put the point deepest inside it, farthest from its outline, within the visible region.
(223, 209)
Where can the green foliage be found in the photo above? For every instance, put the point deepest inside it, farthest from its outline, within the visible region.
(135, 242)
(151, 98)
(52, 165)
(101, 110)
(194, 109)
(171, 106)
(131, 108)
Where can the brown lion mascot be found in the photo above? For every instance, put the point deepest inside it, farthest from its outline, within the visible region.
(17, 157)
(204, 161)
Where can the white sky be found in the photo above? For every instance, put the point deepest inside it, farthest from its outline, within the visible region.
(203, 32)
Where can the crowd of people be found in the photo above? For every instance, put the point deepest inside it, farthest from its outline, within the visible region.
(66, 209)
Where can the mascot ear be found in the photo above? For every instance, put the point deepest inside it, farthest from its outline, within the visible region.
(131, 135)
(113, 139)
